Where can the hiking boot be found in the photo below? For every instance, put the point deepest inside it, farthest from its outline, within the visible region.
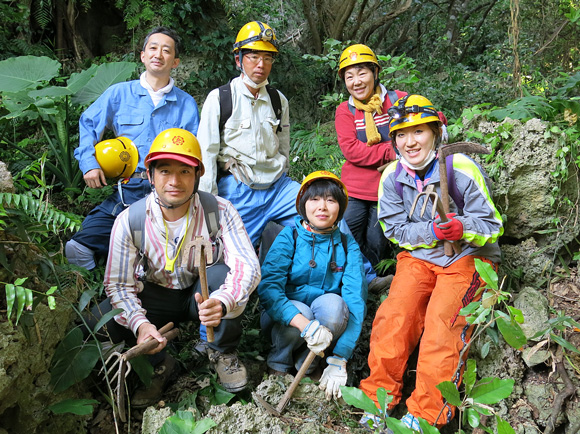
(380, 284)
(146, 396)
(412, 422)
(231, 372)
(201, 347)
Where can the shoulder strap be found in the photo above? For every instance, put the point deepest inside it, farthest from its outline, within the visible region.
(137, 223)
(393, 96)
(225, 93)
(276, 104)
(211, 213)
(398, 185)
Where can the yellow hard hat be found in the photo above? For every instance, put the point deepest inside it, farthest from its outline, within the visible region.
(117, 157)
(411, 110)
(256, 35)
(356, 54)
(319, 174)
(176, 144)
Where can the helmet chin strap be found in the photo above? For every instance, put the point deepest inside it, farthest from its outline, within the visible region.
(159, 202)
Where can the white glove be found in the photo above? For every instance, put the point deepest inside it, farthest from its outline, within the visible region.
(333, 377)
(316, 336)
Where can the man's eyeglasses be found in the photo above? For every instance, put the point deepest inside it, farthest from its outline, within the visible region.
(255, 59)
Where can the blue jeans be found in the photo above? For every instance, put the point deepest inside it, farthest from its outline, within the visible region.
(361, 217)
(289, 349)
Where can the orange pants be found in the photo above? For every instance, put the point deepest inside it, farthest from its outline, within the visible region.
(423, 302)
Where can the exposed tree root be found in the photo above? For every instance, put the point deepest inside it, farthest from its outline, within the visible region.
(565, 393)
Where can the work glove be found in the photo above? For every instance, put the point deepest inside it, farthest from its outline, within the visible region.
(317, 337)
(451, 230)
(333, 377)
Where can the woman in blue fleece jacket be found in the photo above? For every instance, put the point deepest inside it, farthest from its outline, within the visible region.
(313, 289)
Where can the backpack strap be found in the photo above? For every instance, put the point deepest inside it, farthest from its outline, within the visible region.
(451, 182)
(393, 96)
(212, 220)
(137, 213)
(276, 104)
(226, 104)
(225, 97)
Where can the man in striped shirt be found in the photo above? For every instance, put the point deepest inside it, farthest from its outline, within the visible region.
(153, 285)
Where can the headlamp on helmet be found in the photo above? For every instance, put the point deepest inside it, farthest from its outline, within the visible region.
(256, 36)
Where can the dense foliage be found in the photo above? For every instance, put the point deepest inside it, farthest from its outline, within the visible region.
(496, 58)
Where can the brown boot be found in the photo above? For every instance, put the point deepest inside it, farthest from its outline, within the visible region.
(146, 396)
(231, 372)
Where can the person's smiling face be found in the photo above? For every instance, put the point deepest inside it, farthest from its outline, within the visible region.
(360, 82)
(322, 212)
(159, 55)
(415, 143)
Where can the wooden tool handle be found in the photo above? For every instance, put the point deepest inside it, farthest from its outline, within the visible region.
(204, 291)
(305, 365)
(145, 347)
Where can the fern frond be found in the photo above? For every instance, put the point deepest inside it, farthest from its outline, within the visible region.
(43, 212)
(41, 10)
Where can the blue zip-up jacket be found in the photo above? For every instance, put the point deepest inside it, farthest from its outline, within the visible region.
(287, 275)
(127, 110)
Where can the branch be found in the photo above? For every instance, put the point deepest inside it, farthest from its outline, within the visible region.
(476, 32)
(312, 26)
(565, 393)
(389, 16)
(554, 35)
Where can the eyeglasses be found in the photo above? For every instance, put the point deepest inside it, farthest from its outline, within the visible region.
(255, 59)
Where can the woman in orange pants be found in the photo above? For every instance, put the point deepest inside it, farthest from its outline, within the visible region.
(429, 288)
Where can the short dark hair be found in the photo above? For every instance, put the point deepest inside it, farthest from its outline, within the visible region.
(166, 31)
(324, 188)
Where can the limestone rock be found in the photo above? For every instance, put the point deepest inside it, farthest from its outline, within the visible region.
(6, 183)
(534, 307)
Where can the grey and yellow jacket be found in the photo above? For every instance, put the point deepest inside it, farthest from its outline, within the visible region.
(482, 223)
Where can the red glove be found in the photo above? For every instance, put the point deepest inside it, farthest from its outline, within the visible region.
(451, 230)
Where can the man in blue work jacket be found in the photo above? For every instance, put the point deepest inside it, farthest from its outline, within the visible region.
(138, 110)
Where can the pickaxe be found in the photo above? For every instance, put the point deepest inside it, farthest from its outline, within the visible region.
(282, 404)
(203, 255)
(444, 151)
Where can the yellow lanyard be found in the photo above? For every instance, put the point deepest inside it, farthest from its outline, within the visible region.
(170, 262)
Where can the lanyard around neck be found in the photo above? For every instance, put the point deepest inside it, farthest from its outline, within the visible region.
(170, 262)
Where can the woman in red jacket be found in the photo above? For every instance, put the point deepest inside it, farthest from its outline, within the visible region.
(362, 127)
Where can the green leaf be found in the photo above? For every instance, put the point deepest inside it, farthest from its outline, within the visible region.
(383, 398)
(487, 273)
(143, 368)
(72, 361)
(491, 390)
(450, 393)
(516, 314)
(105, 76)
(86, 298)
(10, 298)
(26, 72)
(472, 417)
(503, 427)
(470, 376)
(564, 343)
(183, 422)
(105, 319)
(49, 92)
(427, 428)
(81, 407)
(511, 332)
(79, 80)
(485, 349)
(357, 398)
